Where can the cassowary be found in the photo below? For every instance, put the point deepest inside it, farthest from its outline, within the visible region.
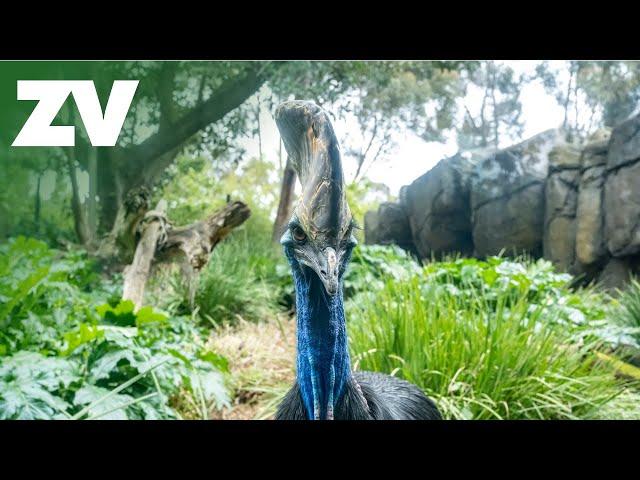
(318, 243)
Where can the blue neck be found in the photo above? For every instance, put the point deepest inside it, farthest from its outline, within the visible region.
(323, 365)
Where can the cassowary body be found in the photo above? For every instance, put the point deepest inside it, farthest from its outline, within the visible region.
(368, 396)
(318, 244)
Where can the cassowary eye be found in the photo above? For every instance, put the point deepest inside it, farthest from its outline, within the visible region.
(299, 235)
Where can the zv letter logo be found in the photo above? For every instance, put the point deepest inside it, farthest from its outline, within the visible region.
(103, 130)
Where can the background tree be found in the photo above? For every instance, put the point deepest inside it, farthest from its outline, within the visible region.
(202, 108)
(593, 94)
(166, 114)
(394, 96)
(499, 113)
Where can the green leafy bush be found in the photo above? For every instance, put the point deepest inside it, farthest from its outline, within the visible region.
(42, 292)
(372, 265)
(65, 356)
(494, 339)
(125, 366)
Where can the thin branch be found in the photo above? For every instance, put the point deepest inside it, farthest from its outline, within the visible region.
(470, 117)
(383, 145)
(201, 89)
(363, 156)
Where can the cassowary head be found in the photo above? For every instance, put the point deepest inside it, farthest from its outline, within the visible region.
(319, 236)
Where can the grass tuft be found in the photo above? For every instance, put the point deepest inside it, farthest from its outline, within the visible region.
(499, 348)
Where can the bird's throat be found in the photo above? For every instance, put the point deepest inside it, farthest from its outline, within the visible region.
(323, 366)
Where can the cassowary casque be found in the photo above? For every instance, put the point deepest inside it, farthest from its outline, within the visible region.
(318, 244)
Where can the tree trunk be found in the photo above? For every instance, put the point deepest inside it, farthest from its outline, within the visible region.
(197, 241)
(109, 190)
(136, 274)
(285, 206)
(92, 207)
(496, 119)
(565, 122)
(120, 243)
(79, 214)
(36, 210)
(124, 170)
(259, 130)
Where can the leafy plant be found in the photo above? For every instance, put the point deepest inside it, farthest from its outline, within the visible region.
(372, 265)
(31, 386)
(42, 292)
(66, 357)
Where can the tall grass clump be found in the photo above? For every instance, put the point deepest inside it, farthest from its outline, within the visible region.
(628, 314)
(239, 280)
(486, 340)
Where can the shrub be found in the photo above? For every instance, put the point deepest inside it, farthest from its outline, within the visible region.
(65, 356)
(372, 265)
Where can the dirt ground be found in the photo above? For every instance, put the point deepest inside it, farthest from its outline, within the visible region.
(262, 363)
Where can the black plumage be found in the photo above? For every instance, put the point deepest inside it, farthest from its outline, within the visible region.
(369, 396)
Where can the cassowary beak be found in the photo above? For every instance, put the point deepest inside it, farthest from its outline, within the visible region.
(323, 264)
(328, 270)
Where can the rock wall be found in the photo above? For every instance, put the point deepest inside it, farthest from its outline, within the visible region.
(507, 197)
(622, 190)
(560, 206)
(590, 241)
(578, 206)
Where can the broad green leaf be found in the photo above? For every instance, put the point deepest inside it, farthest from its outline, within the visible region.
(113, 404)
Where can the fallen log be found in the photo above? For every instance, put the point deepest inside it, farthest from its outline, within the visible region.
(196, 241)
(159, 241)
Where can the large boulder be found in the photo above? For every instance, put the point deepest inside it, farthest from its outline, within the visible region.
(393, 226)
(371, 225)
(561, 199)
(591, 248)
(402, 196)
(438, 208)
(622, 190)
(616, 274)
(507, 197)
(388, 225)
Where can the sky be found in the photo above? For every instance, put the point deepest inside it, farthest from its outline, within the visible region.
(413, 156)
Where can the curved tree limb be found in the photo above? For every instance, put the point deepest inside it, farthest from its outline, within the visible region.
(197, 241)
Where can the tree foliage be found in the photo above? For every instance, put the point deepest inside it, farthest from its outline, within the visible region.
(499, 114)
(609, 91)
